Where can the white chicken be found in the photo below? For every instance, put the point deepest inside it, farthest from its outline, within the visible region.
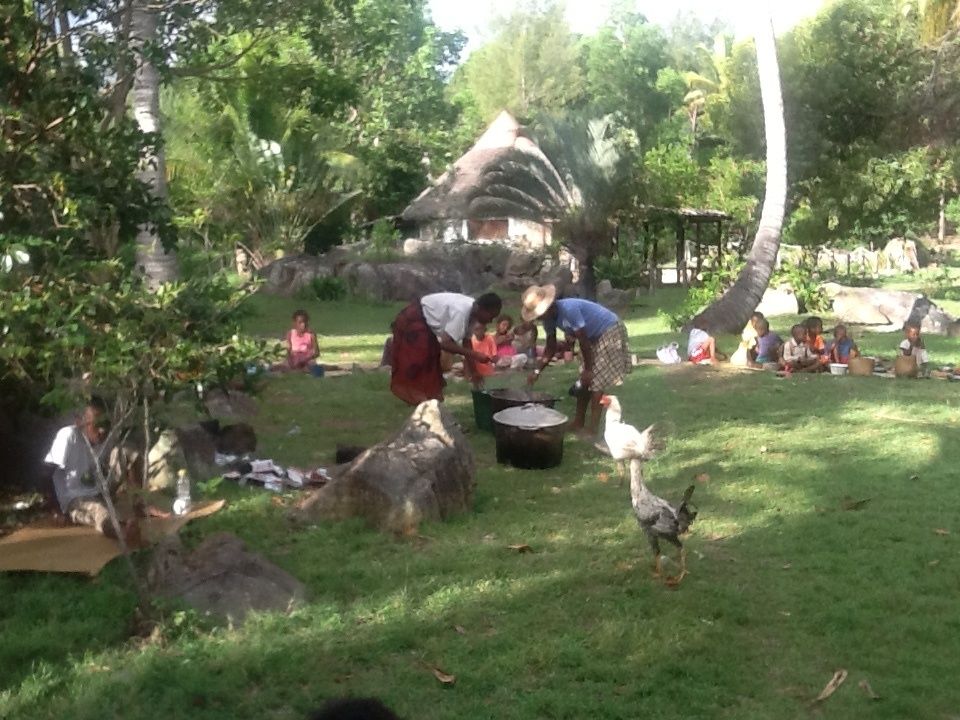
(624, 441)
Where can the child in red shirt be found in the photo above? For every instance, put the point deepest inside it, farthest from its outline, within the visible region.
(483, 342)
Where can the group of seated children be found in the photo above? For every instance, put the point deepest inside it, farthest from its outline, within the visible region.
(513, 347)
(806, 350)
(512, 342)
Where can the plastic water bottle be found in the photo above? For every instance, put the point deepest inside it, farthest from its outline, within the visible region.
(181, 506)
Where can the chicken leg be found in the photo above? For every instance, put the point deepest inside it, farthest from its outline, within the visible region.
(676, 579)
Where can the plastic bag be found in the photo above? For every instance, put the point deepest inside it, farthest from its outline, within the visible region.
(669, 354)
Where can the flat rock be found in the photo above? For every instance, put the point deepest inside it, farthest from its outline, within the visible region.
(778, 301)
(886, 309)
(221, 577)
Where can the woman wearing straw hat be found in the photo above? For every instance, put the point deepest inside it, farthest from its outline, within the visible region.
(436, 322)
(603, 345)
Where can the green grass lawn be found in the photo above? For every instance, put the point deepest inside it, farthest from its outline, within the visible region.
(786, 585)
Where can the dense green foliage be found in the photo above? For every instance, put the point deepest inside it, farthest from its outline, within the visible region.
(76, 317)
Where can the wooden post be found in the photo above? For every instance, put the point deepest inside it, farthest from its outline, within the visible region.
(681, 255)
(699, 250)
(652, 263)
(719, 241)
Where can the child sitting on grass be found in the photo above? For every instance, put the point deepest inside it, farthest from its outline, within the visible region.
(525, 339)
(815, 341)
(843, 347)
(746, 352)
(913, 345)
(503, 339)
(302, 347)
(702, 347)
(483, 342)
(767, 350)
(796, 355)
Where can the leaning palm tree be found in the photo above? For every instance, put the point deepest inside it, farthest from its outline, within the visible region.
(731, 312)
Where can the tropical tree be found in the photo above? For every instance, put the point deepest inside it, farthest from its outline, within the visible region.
(532, 65)
(597, 175)
(732, 310)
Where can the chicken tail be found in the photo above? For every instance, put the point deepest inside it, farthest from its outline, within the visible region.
(650, 443)
(686, 512)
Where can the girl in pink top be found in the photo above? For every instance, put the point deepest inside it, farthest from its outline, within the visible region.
(302, 347)
(504, 337)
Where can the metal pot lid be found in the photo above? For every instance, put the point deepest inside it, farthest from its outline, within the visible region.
(519, 395)
(530, 417)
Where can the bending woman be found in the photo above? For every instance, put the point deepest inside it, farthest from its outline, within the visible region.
(441, 321)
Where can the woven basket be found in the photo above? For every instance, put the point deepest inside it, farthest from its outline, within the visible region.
(862, 366)
(905, 366)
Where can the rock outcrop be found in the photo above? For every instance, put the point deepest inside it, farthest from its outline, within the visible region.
(886, 309)
(426, 472)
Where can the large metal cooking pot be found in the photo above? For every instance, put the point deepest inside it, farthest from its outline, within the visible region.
(487, 403)
(530, 436)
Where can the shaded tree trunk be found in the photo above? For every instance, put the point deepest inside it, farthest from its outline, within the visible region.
(731, 312)
(157, 264)
(588, 279)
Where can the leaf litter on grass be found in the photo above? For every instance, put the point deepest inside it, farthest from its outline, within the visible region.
(832, 686)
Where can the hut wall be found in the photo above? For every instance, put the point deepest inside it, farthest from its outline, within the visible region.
(527, 233)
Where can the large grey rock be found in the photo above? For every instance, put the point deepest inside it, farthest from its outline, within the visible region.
(221, 577)
(236, 439)
(778, 301)
(198, 449)
(426, 472)
(363, 280)
(523, 265)
(901, 255)
(611, 297)
(230, 404)
(289, 274)
(887, 309)
(412, 246)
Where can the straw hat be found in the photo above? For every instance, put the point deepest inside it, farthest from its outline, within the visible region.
(536, 300)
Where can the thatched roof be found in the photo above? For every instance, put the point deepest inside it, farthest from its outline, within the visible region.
(505, 174)
(685, 213)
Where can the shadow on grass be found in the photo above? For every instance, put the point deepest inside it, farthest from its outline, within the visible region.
(786, 586)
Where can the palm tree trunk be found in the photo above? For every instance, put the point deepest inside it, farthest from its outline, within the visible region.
(731, 312)
(155, 263)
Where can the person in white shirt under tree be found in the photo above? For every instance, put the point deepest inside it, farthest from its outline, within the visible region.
(74, 474)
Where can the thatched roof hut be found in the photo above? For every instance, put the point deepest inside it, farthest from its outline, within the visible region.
(503, 188)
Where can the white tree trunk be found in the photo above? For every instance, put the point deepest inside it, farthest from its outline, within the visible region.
(731, 312)
(157, 265)
(942, 217)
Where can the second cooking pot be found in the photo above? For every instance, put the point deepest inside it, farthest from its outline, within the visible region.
(530, 436)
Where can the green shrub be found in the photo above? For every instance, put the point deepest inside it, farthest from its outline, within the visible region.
(328, 288)
(805, 281)
(715, 283)
(624, 270)
(384, 242)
